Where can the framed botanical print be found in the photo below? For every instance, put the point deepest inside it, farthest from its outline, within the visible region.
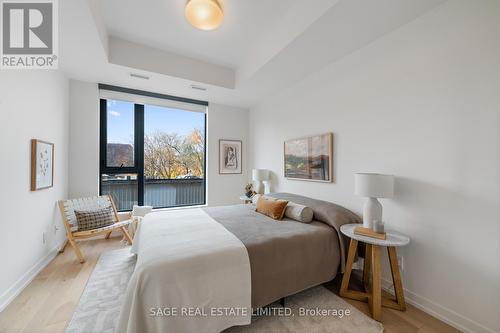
(229, 157)
(310, 158)
(42, 164)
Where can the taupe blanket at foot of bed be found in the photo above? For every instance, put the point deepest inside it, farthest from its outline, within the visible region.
(285, 256)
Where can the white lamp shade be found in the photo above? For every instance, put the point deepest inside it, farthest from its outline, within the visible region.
(374, 185)
(260, 174)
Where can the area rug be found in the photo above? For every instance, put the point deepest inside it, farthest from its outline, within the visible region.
(313, 310)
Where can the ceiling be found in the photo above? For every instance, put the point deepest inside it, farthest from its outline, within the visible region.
(261, 47)
(161, 24)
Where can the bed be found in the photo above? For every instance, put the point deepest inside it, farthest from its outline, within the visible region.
(241, 259)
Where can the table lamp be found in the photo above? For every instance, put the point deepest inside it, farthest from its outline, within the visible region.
(373, 186)
(259, 176)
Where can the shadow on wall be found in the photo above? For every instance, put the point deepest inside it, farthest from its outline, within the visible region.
(449, 243)
(428, 202)
(57, 226)
(273, 181)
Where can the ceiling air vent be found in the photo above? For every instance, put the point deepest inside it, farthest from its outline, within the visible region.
(139, 76)
(198, 88)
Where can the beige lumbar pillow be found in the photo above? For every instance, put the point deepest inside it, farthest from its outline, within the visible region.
(299, 213)
(273, 208)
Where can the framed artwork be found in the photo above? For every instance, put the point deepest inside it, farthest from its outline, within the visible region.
(229, 157)
(42, 164)
(310, 158)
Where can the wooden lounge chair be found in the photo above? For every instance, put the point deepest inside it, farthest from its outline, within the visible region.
(68, 207)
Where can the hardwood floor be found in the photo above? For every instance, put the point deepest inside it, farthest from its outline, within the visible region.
(47, 303)
(394, 321)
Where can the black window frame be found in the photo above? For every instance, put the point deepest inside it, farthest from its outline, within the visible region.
(138, 167)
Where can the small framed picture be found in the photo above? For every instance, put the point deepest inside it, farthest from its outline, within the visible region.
(42, 164)
(229, 156)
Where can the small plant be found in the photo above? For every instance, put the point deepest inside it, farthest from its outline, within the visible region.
(249, 192)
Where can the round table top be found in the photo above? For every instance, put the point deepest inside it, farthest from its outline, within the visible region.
(392, 238)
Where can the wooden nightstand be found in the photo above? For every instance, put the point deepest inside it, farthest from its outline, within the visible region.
(373, 292)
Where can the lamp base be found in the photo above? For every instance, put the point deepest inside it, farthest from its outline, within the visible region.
(267, 187)
(372, 211)
(259, 187)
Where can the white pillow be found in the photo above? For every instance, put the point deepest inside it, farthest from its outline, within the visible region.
(141, 210)
(299, 213)
(255, 198)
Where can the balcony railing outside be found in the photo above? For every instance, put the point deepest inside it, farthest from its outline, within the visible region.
(157, 192)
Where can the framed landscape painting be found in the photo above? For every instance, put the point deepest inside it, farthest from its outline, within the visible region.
(229, 156)
(42, 164)
(310, 158)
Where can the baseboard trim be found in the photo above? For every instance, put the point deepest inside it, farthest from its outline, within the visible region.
(440, 312)
(26, 279)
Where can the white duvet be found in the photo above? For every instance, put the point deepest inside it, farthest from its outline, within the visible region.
(192, 275)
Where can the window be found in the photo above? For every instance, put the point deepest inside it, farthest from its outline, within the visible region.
(120, 134)
(152, 149)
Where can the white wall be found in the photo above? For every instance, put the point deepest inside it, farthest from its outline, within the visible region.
(230, 123)
(422, 103)
(84, 139)
(33, 104)
(224, 122)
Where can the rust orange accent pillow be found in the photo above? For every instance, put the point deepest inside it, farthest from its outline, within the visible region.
(273, 208)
